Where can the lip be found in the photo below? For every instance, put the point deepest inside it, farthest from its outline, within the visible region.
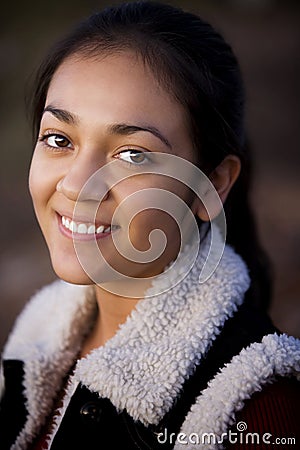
(78, 236)
(82, 218)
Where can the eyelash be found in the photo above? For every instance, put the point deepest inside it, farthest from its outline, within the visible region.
(44, 137)
(137, 152)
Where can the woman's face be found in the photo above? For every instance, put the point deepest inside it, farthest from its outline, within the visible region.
(98, 111)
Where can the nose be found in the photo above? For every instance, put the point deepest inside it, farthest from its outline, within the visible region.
(81, 182)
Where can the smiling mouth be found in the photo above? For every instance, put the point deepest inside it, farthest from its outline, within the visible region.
(86, 228)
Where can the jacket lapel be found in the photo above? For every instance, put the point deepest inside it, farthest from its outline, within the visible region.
(13, 411)
(47, 338)
(143, 367)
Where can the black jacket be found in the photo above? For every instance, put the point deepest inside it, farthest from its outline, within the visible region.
(184, 362)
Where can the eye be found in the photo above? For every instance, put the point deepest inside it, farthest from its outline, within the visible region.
(56, 140)
(133, 156)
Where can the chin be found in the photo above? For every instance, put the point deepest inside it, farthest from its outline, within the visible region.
(73, 275)
(70, 278)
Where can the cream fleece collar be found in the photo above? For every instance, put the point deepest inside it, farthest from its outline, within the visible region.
(143, 367)
(157, 348)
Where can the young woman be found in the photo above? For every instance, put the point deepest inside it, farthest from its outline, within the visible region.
(134, 348)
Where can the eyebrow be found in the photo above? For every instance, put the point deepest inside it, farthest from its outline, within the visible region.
(118, 128)
(62, 115)
(126, 130)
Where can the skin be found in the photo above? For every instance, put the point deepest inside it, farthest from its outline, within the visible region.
(97, 94)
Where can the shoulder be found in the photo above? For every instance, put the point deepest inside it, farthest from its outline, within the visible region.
(276, 406)
(250, 379)
(48, 315)
(273, 411)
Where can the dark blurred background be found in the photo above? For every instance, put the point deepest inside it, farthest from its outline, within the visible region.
(265, 35)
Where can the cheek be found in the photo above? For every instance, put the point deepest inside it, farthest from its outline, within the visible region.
(147, 221)
(42, 184)
(33, 178)
(36, 181)
(141, 219)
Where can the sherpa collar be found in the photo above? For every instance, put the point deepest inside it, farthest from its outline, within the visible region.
(215, 409)
(157, 348)
(143, 367)
(47, 337)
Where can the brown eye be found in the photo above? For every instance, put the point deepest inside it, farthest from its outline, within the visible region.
(57, 141)
(133, 156)
(137, 157)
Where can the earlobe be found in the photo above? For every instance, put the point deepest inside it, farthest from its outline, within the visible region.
(225, 175)
(222, 178)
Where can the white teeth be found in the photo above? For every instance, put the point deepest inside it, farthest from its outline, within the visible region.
(73, 227)
(84, 228)
(91, 229)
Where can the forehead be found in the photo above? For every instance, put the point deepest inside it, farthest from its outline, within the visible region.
(116, 88)
(109, 68)
(119, 79)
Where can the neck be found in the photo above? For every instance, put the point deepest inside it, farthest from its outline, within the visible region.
(113, 310)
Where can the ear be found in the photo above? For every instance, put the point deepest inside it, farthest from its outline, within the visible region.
(223, 178)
